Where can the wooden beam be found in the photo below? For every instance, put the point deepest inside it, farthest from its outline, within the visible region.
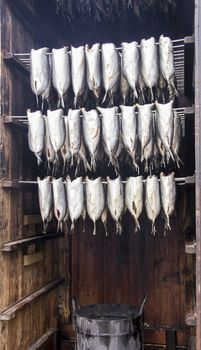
(14, 245)
(11, 311)
(51, 333)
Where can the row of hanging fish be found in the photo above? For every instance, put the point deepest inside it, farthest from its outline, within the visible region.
(69, 199)
(146, 138)
(103, 69)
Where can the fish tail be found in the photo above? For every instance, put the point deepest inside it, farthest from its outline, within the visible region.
(42, 105)
(171, 155)
(93, 163)
(105, 96)
(71, 163)
(152, 94)
(75, 101)
(153, 228)
(167, 223)
(94, 231)
(62, 101)
(72, 227)
(118, 228)
(135, 94)
(105, 227)
(45, 223)
(137, 227)
(39, 160)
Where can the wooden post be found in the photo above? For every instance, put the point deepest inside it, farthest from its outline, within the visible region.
(198, 166)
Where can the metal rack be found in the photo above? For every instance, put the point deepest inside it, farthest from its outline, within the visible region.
(22, 60)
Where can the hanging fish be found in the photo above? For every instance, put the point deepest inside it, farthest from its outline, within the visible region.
(60, 202)
(110, 132)
(164, 118)
(149, 64)
(152, 200)
(95, 200)
(45, 200)
(91, 132)
(78, 72)
(36, 133)
(124, 85)
(74, 132)
(134, 198)
(65, 150)
(75, 198)
(40, 71)
(61, 73)
(167, 64)
(145, 126)
(115, 201)
(110, 69)
(56, 129)
(129, 131)
(168, 196)
(176, 140)
(49, 150)
(130, 55)
(93, 68)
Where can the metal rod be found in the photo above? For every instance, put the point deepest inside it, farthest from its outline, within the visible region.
(177, 179)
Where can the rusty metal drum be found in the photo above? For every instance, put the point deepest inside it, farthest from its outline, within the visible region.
(109, 327)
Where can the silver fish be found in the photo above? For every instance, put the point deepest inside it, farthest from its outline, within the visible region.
(124, 85)
(110, 68)
(45, 200)
(130, 54)
(40, 71)
(115, 201)
(110, 132)
(176, 140)
(93, 68)
(165, 125)
(129, 131)
(134, 198)
(74, 132)
(149, 64)
(60, 202)
(65, 150)
(61, 72)
(167, 63)
(49, 150)
(56, 129)
(75, 198)
(168, 196)
(36, 133)
(152, 201)
(78, 72)
(95, 199)
(91, 132)
(145, 125)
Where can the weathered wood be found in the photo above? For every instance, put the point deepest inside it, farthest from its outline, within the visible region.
(32, 219)
(33, 258)
(10, 312)
(13, 245)
(42, 342)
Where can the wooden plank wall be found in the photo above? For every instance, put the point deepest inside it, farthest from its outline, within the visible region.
(121, 269)
(16, 280)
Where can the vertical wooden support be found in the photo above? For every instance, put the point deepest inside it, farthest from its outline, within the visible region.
(171, 339)
(198, 166)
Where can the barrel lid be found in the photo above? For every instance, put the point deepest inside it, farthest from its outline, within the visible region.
(108, 311)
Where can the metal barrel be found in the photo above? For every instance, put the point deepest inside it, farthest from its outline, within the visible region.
(109, 327)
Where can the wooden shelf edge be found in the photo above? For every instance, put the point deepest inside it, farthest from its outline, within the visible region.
(11, 59)
(10, 312)
(13, 245)
(45, 337)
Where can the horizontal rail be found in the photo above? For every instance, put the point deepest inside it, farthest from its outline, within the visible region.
(11, 311)
(14, 245)
(17, 184)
